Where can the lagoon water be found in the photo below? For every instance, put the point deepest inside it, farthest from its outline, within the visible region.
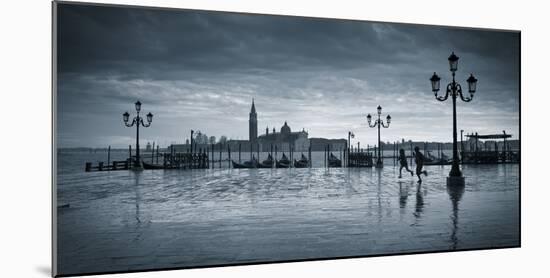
(125, 220)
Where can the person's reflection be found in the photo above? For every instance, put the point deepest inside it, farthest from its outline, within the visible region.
(403, 194)
(455, 194)
(419, 208)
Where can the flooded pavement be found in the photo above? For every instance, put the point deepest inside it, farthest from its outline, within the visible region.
(126, 220)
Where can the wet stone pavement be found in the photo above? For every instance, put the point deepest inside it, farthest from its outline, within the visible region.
(126, 220)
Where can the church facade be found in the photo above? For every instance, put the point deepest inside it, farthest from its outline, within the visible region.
(282, 140)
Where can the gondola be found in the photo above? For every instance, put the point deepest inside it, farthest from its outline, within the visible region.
(148, 166)
(432, 160)
(302, 163)
(245, 165)
(333, 161)
(284, 162)
(268, 163)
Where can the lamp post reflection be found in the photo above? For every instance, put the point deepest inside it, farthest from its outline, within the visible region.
(379, 196)
(455, 195)
(138, 196)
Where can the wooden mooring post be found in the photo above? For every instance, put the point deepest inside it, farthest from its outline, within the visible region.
(291, 154)
(325, 157)
(109, 155)
(158, 154)
(153, 154)
(345, 161)
(412, 153)
(220, 162)
(228, 157)
(328, 155)
(212, 155)
(129, 152)
(393, 154)
(309, 156)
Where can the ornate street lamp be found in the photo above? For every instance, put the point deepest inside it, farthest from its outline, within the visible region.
(379, 123)
(454, 90)
(350, 135)
(137, 121)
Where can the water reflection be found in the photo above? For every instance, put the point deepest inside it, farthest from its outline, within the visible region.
(137, 177)
(403, 193)
(455, 194)
(280, 214)
(419, 207)
(379, 193)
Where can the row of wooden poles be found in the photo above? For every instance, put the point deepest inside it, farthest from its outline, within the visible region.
(197, 157)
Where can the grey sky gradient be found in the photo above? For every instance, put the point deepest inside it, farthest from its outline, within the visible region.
(200, 70)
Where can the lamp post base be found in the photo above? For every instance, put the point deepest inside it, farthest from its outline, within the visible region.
(455, 181)
(379, 164)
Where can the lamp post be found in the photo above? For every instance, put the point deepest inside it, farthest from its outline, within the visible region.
(192, 131)
(350, 135)
(379, 123)
(137, 121)
(454, 90)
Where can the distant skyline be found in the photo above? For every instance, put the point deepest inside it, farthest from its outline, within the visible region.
(200, 70)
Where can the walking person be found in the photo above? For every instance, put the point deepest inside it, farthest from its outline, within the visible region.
(419, 160)
(403, 162)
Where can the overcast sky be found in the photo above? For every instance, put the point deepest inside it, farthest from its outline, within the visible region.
(200, 70)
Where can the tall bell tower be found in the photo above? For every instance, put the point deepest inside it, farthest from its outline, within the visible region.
(253, 124)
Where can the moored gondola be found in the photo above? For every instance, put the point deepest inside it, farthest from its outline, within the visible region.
(246, 165)
(432, 160)
(333, 161)
(284, 162)
(268, 163)
(148, 166)
(302, 163)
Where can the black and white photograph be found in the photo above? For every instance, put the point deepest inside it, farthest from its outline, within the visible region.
(189, 138)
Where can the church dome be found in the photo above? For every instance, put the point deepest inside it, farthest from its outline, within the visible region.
(285, 129)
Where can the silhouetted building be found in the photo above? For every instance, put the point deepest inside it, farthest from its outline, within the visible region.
(281, 141)
(253, 124)
(284, 139)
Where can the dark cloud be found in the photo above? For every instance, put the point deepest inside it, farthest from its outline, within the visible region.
(207, 65)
